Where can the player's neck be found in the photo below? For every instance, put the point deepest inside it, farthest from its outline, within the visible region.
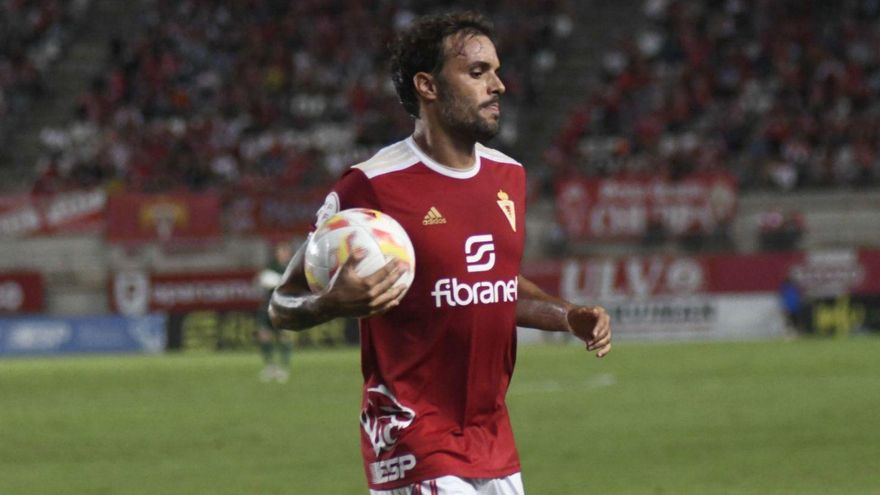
(444, 147)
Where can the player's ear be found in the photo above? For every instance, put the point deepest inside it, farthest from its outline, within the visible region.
(426, 85)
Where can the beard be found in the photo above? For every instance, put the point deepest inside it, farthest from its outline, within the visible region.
(462, 117)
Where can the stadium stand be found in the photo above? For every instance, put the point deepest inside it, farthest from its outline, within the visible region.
(33, 35)
(782, 94)
(204, 96)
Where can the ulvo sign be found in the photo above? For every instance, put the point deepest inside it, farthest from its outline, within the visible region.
(611, 278)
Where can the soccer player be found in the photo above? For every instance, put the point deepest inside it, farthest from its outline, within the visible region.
(437, 360)
(270, 338)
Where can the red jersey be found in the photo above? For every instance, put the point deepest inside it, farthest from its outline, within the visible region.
(436, 368)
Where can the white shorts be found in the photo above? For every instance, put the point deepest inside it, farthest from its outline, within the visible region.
(453, 485)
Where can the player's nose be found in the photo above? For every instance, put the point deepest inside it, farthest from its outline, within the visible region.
(496, 85)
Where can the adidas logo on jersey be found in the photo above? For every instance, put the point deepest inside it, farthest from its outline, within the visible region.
(433, 217)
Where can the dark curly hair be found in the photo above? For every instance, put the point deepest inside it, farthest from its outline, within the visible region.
(419, 48)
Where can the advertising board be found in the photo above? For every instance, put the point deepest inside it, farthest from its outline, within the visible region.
(726, 296)
(139, 292)
(43, 335)
(21, 292)
(24, 215)
(273, 215)
(624, 208)
(137, 217)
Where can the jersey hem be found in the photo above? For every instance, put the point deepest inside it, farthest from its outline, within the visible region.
(439, 473)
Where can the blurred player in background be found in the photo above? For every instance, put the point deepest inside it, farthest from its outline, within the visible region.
(791, 296)
(437, 360)
(270, 339)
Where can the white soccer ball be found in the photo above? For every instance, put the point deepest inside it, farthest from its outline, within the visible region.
(379, 235)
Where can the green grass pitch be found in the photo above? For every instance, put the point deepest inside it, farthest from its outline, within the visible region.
(798, 417)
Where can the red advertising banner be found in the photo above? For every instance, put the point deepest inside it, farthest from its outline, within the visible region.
(135, 217)
(136, 292)
(619, 278)
(818, 273)
(24, 215)
(624, 208)
(826, 273)
(273, 215)
(21, 292)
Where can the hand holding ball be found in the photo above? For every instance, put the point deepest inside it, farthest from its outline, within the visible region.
(374, 233)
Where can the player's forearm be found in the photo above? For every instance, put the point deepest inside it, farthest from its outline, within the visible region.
(292, 306)
(297, 311)
(537, 309)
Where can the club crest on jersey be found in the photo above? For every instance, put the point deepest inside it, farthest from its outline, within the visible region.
(508, 208)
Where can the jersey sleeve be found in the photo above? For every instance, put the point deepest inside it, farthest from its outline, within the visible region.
(352, 190)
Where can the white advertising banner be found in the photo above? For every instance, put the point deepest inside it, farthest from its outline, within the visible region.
(697, 317)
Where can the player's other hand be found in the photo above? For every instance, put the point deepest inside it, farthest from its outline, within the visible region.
(359, 297)
(592, 325)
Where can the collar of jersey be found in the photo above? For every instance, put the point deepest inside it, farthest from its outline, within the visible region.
(455, 173)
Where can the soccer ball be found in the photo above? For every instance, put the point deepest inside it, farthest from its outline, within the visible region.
(379, 235)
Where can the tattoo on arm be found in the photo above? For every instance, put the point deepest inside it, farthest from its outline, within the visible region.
(296, 311)
(292, 305)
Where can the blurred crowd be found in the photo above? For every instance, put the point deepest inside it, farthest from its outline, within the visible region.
(781, 93)
(261, 94)
(32, 35)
